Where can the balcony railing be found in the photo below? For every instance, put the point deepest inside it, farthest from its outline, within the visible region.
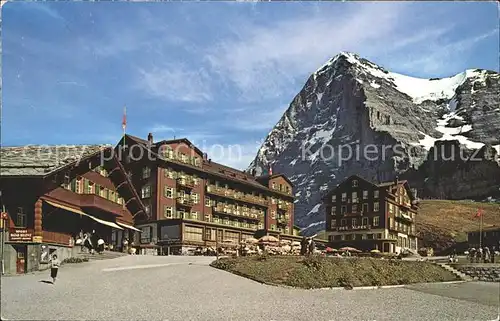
(186, 182)
(212, 189)
(185, 201)
(244, 215)
(56, 237)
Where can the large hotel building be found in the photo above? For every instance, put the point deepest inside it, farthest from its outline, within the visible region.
(370, 216)
(192, 201)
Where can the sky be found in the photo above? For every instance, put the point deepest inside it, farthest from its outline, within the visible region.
(218, 73)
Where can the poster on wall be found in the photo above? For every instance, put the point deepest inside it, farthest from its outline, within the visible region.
(44, 254)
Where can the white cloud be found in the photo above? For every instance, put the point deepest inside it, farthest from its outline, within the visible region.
(233, 155)
(265, 60)
(176, 83)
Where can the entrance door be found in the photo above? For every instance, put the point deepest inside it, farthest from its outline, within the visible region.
(386, 248)
(21, 260)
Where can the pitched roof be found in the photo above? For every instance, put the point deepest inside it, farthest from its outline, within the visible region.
(41, 160)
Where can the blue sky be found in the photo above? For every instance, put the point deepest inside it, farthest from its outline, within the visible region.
(217, 73)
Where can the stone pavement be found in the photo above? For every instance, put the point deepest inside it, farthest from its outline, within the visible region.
(186, 288)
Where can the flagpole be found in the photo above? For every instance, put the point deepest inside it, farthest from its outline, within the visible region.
(481, 231)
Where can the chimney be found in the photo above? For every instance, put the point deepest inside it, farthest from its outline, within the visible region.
(150, 138)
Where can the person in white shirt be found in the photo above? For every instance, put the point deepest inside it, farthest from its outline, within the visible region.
(54, 268)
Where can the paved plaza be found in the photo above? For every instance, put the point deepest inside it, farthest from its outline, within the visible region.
(186, 288)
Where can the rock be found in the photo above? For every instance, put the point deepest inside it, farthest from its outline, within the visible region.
(353, 102)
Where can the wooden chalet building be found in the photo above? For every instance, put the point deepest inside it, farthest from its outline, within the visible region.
(370, 216)
(51, 193)
(192, 201)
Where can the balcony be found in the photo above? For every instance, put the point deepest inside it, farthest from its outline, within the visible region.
(185, 182)
(220, 191)
(282, 221)
(228, 212)
(184, 201)
(282, 206)
(56, 237)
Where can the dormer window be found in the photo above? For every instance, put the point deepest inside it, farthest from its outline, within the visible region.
(355, 183)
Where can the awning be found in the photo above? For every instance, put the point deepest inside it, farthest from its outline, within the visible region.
(128, 226)
(67, 208)
(79, 211)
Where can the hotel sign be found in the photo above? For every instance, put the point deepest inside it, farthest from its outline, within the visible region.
(20, 235)
(351, 228)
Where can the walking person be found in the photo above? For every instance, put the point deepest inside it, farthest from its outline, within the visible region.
(54, 268)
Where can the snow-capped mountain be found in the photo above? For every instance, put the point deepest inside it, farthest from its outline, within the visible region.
(350, 110)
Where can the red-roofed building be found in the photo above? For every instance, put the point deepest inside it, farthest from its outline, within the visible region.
(192, 201)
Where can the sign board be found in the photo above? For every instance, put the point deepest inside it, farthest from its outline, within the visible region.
(37, 239)
(20, 235)
(359, 227)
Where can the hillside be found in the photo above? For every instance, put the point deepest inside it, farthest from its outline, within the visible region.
(442, 223)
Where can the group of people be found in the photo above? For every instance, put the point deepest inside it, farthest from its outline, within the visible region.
(90, 241)
(482, 255)
(307, 245)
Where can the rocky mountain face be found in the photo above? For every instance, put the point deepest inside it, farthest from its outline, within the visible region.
(354, 117)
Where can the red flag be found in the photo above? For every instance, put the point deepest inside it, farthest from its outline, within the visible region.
(478, 213)
(124, 120)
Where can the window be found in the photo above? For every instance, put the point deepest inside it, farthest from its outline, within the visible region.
(146, 191)
(354, 208)
(281, 187)
(343, 222)
(78, 185)
(376, 207)
(169, 173)
(354, 222)
(273, 227)
(192, 233)
(194, 215)
(369, 236)
(169, 192)
(355, 183)
(376, 221)
(354, 197)
(344, 197)
(273, 215)
(168, 212)
(344, 209)
(209, 234)
(365, 221)
(334, 198)
(146, 172)
(196, 198)
(195, 181)
(274, 185)
(365, 195)
(147, 208)
(375, 194)
(331, 238)
(365, 208)
(333, 211)
(20, 217)
(207, 201)
(89, 188)
(183, 158)
(391, 208)
(196, 161)
(146, 232)
(334, 223)
(363, 236)
(349, 237)
(233, 236)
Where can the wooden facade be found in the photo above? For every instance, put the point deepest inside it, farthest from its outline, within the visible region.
(371, 216)
(193, 201)
(49, 196)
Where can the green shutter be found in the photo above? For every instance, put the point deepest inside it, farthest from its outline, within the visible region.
(73, 185)
(97, 189)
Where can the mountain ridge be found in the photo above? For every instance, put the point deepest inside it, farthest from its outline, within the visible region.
(352, 101)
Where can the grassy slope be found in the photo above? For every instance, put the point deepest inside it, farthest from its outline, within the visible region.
(320, 272)
(446, 222)
(441, 223)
